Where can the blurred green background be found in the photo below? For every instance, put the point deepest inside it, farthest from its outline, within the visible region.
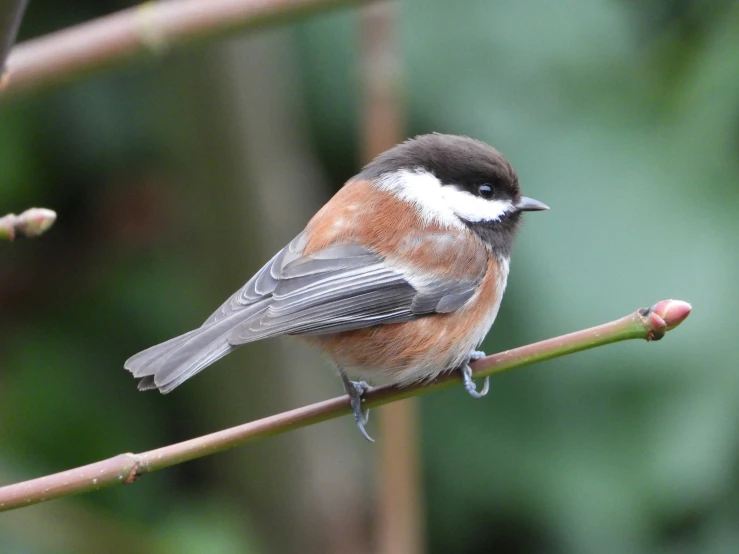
(176, 178)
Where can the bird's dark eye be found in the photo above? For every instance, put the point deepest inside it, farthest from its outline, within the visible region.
(485, 191)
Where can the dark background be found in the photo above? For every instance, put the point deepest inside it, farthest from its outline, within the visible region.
(176, 178)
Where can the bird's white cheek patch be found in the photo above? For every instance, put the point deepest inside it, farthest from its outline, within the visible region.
(423, 191)
(442, 204)
(473, 208)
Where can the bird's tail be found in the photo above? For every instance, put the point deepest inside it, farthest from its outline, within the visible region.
(171, 363)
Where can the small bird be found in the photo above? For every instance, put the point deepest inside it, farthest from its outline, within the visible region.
(398, 278)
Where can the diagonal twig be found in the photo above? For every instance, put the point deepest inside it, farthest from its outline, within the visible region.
(646, 323)
(149, 29)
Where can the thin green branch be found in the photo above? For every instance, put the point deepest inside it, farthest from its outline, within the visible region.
(149, 29)
(650, 324)
(31, 223)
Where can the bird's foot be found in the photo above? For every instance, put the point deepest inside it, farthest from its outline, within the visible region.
(477, 355)
(355, 390)
(469, 384)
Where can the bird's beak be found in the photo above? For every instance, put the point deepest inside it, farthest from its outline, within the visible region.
(527, 204)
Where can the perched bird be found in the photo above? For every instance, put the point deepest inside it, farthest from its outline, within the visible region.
(398, 278)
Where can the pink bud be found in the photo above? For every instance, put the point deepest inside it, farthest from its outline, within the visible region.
(673, 312)
(35, 221)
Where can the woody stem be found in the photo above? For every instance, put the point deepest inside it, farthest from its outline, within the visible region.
(647, 323)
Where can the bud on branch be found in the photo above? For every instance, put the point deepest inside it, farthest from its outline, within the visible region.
(29, 224)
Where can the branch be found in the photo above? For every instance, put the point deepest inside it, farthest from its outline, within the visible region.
(31, 223)
(646, 323)
(10, 21)
(149, 29)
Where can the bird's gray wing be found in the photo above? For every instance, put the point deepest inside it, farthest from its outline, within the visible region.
(340, 288)
(348, 287)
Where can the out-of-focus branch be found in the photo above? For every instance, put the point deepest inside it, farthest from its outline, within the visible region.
(149, 29)
(646, 323)
(31, 223)
(11, 16)
(398, 514)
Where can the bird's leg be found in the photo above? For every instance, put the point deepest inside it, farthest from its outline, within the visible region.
(355, 390)
(469, 384)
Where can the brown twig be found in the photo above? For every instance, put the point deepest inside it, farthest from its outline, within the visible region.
(31, 223)
(149, 29)
(647, 323)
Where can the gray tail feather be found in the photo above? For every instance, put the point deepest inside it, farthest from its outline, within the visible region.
(171, 363)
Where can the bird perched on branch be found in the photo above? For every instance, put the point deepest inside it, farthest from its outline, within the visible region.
(398, 278)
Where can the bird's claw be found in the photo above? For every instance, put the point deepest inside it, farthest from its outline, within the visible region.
(469, 384)
(355, 390)
(477, 355)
